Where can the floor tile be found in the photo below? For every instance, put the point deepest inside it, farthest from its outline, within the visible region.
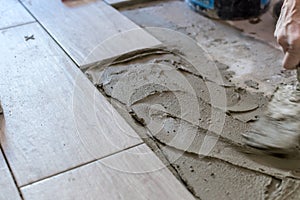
(133, 174)
(55, 118)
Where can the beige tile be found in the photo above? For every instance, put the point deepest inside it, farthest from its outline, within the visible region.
(55, 118)
(133, 174)
(91, 31)
(123, 3)
(13, 13)
(8, 189)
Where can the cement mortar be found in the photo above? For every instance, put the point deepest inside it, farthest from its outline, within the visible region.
(195, 106)
(248, 58)
(215, 179)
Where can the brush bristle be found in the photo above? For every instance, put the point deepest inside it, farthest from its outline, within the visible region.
(278, 131)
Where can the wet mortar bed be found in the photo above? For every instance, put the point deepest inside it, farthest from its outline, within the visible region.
(193, 97)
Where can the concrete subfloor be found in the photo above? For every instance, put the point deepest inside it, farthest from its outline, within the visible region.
(249, 58)
(256, 67)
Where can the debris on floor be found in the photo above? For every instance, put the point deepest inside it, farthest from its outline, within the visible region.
(31, 37)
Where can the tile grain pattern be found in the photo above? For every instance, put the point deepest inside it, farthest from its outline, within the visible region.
(12, 13)
(133, 174)
(55, 118)
(90, 32)
(8, 189)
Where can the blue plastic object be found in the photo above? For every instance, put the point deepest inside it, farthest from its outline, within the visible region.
(230, 9)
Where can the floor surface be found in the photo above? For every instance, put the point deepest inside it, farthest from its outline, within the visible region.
(60, 137)
(96, 107)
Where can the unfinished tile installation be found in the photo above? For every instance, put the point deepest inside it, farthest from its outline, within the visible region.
(133, 99)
